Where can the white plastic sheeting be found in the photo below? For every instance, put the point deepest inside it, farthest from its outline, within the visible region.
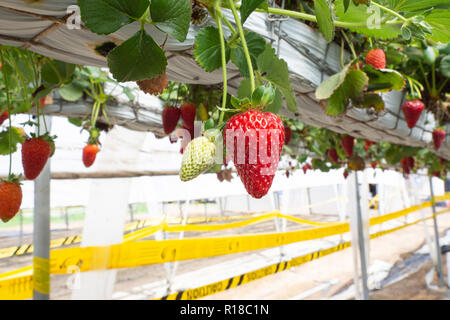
(309, 57)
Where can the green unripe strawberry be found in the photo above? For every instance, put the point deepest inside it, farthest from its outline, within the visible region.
(198, 157)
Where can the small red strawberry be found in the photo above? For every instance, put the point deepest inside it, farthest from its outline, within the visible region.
(255, 140)
(411, 162)
(412, 111)
(438, 137)
(10, 199)
(89, 154)
(188, 111)
(405, 166)
(170, 117)
(332, 153)
(437, 174)
(287, 135)
(287, 173)
(374, 164)
(376, 58)
(35, 153)
(347, 143)
(4, 116)
(367, 144)
(345, 174)
(306, 167)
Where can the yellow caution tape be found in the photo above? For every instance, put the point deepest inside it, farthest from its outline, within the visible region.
(133, 254)
(223, 285)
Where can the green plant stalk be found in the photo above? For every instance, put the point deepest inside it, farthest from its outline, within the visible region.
(310, 17)
(433, 75)
(389, 10)
(244, 44)
(9, 112)
(424, 76)
(442, 86)
(350, 45)
(224, 62)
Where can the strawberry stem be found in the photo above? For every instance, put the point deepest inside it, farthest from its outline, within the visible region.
(244, 44)
(389, 10)
(224, 60)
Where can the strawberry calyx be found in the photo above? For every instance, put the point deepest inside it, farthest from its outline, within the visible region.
(12, 178)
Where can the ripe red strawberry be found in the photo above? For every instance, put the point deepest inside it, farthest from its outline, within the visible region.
(374, 164)
(412, 111)
(345, 174)
(306, 167)
(4, 116)
(287, 135)
(170, 117)
(188, 111)
(376, 58)
(405, 166)
(10, 200)
(347, 144)
(332, 153)
(89, 154)
(255, 140)
(437, 174)
(35, 153)
(411, 163)
(438, 137)
(287, 173)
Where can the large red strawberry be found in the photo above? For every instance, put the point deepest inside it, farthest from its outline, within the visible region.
(287, 135)
(10, 199)
(188, 111)
(35, 153)
(412, 111)
(89, 154)
(438, 137)
(411, 162)
(332, 153)
(4, 116)
(347, 143)
(255, 139)
(376, 58)
(170, 117)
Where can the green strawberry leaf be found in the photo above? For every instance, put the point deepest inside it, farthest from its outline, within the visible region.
(108, 16)
(172, 17)
(351, 88)
(207, 49)
(255, 44)
(439, 20)
(330, 85)
(414, 5)
(57, 72)
(248, 6)
(245, 89)
(324, 17)
(275, 71)
(384, 80)
(367, 17)
(444, 66)
(370, 100)
(277, 103)
(16, 137)
(137, 58)
(70, 92)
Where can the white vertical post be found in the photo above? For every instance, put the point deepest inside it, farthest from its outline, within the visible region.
(106, 212)
(440, 270)
(41, 228)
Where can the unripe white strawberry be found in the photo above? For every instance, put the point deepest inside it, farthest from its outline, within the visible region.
(198, 157)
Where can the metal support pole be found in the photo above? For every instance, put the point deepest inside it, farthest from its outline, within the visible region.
(308, 194)
(130, 206)
(66, 217)
(362, 251)
(41, 229)
(21, 227)
(439, 270)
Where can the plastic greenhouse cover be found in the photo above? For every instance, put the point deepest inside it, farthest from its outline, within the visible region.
(309, 57)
